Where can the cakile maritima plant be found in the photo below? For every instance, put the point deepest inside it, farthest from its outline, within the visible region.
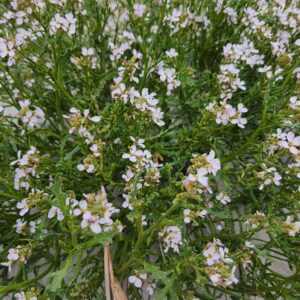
(149, 149)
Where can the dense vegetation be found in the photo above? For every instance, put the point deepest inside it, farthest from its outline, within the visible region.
(160, 138)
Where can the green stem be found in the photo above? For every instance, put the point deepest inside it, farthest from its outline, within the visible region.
(14, 287)
(166, 289)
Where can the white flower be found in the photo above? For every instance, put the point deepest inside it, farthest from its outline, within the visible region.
(24, 208)
(33, 225)
(268, 176)
(139, 142)
(291, 142)
(95, 150)
(95, 211)
(212, 255)
(291, 228)
(150, 288)
(95, 119)
(214, 164)
(216, 258)
(232, 15)
(171, 53)
(202, 213)
(66, 23)
(89, 167)
(82, 207)
(237, 119)
(20, 296)
(223, 198)
(215, 278)
(144, 220)
(248, 244)
(267, 70)
(139, 10)
(186, 214)
(7, 49)
(31, 116)
(92, 221)
(87, 51)
(14, 256)
(55, 211)
(168, 75)
(229, 81)
(126, 203)
(226, 113)
(294, 103)
(197, 180)
(137, 280)
(20, 226)
(134, 154)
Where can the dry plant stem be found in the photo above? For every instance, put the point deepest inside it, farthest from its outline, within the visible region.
(111, 283)
(117, 291)
(106, 272)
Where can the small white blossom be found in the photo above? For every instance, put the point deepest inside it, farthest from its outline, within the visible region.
(55, 212)
(291, 142)
(292, 228)
(139, 10)
(171, 53)
(223, 198)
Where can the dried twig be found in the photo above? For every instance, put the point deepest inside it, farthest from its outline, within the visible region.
(106, 272)
(111, 283)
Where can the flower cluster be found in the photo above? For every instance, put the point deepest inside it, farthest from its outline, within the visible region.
(226, 113)
(220, 267)
(168, 75)
(31, 117)
(181, 18)
(146, 99)
(202, 166)
(23, 229)
(7, 50)
(95, 211)
(31, 294)
(87, 59)
(229, 81)
(142, 173)
(144, 102)
(268, 176)
(292, 228)
(171, 238)
(18, 255)
(256, 220)
(66, 23)
(81, 124)
(27, 165)
(35, 198)
(244, 52)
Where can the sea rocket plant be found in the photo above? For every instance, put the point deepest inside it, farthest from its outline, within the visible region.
(149, 149)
